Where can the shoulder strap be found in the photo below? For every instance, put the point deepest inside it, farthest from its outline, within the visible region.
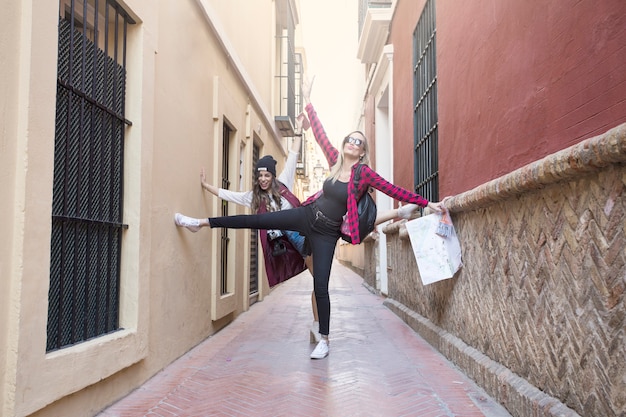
(289, 196)
(357, 178)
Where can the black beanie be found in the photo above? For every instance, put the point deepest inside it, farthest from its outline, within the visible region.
(267, 163)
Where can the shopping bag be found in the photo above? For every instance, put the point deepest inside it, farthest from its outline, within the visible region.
(438, 257)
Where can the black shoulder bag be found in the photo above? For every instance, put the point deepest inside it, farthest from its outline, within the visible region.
(366, 209)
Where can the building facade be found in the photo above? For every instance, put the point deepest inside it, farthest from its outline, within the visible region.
(516, 111)
(110, 111)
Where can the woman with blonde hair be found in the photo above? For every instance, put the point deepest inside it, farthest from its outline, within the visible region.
(319, 218)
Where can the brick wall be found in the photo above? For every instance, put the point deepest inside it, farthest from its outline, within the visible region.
(537, 313)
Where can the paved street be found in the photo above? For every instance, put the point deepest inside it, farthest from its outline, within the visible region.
(259, 365)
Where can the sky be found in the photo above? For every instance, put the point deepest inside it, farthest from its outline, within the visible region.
(329, 31)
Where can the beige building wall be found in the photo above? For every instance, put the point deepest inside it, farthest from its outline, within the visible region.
(193, 65)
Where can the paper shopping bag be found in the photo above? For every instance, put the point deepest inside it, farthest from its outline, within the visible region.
(437, 257)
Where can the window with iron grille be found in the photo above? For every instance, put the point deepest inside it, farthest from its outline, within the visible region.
(254, 236)
(226, 133)
(425, 119)
(87, 206)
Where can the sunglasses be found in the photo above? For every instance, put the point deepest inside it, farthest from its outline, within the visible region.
(353, 141)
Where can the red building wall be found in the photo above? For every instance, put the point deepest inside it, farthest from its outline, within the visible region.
(517, 80)
(403, 24)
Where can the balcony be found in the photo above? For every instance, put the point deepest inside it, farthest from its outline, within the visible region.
(374, 22)
(284, 125)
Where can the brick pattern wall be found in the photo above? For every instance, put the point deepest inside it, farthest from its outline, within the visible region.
(541, 291)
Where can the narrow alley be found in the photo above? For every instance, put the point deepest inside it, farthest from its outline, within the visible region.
(259, 365)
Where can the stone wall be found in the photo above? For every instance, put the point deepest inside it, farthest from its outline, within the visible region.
(370, 269)
(537, 313)
(352, 256)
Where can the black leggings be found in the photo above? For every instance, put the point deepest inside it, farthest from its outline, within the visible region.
(321, 234)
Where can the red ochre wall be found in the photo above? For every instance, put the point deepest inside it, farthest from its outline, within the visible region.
(403, 24)
(517, 80)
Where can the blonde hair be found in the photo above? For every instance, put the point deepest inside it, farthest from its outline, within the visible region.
(335, 170)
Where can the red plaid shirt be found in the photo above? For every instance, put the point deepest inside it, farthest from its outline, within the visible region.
(369, 178)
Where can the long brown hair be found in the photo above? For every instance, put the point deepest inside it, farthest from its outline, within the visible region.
(265, 197)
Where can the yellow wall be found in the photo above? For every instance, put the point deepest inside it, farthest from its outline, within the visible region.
(183, 81)
(9, 68)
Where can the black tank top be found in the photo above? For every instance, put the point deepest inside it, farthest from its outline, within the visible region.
(334, 201)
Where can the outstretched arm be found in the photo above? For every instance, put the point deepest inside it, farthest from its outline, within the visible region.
(386, 215)
(243, 198)
(404, 212)
(373, 179)
(296, 144)
(210, 188)
(297, 139)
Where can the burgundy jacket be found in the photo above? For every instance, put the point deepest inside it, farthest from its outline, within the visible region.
(281, 268)
(369, 178)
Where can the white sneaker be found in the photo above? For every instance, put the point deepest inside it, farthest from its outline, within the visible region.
(191, 224)
(321, 350)
(315, 336)
(407, 210)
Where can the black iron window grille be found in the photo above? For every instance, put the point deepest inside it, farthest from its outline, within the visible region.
(254, 236)
(425, 119)
(87, 221)
(224, 239)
